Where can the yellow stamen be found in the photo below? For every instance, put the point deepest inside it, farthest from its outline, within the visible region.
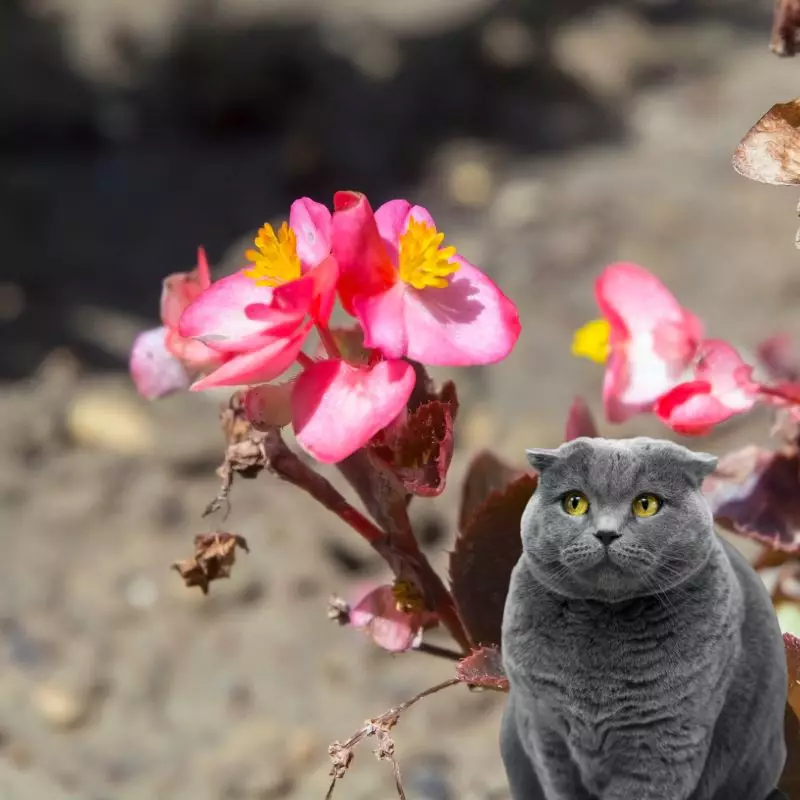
(276, 260)
(593, 341)
(423, 262)
(407, 598)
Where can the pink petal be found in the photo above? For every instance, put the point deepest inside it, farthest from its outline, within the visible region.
(615, 382)
(311, 223)
(580, 421)
(382, 317)
(260, 366)
(691, 409)
(376, 614)
(721, 365)
(677, 342)
(223, 317)
(182, 288)
(364, 263)
(653, 339)
(648, 374)
(270, 404)
(392, 220)
(194, 355)
(470, 321)
(155, 371)
(634, 301)
(722, 388)
(784, 393)
(337, 407)
(203, 270)
(325, 277)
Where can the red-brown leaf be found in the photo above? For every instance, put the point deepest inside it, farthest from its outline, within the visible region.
(486, 474)
(790, 780)
(483, 667)
(487, 547)
(792, 644)
(756, 493)
(419, 449)
(780, 358)
(580, 421)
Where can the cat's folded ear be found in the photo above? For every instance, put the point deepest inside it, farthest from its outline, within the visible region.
(540, 458)
(698, 465)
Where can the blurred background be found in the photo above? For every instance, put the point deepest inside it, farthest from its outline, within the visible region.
(547, 137)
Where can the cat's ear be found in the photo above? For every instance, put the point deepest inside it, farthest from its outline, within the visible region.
(540, 458)
(698, 465)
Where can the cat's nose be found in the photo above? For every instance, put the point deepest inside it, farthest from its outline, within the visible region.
(606, 537)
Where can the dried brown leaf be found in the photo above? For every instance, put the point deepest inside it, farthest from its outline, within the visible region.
(770, 150)
(214, 557)
(245, 454)
(483, 667)
(487, 548)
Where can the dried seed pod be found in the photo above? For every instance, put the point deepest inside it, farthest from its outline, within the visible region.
(770, 151)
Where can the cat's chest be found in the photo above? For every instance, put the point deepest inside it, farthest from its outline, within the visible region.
(588, 662)
(588, 647)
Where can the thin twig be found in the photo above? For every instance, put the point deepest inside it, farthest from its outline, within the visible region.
(341, 753)
(439, 652)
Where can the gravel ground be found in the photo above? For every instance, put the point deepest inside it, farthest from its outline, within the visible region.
(130, 133)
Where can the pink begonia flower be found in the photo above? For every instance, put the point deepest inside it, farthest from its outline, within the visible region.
(260, 317)
(412, 296)
(338, 407)
(376, 613)
(647, 338)
(722, 387)
(161, 360)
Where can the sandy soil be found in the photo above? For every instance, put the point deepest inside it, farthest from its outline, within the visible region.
(130, 133)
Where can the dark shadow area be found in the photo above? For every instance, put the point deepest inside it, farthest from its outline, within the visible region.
(105, 187)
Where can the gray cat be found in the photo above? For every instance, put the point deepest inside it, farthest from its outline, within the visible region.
(644, 655)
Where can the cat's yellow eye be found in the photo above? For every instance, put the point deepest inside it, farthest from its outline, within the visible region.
(645, 505)
(576, 504)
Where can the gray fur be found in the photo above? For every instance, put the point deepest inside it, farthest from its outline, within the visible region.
(650, 670)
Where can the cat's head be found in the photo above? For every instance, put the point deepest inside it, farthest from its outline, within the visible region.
(613, 519)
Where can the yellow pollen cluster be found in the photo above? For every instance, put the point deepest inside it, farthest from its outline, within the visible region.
(422, 261)
(276, 260)
(593, 341)
(407, 598)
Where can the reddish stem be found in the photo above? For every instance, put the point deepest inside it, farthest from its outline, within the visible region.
(328, 341)
(304, 360)
(400, 551)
